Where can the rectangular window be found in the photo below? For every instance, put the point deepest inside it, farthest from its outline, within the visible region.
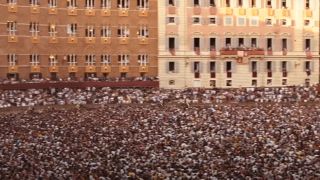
(254, 69)
(89, 4)
(254, 21)
(172, 67)
(228, 4)
(34, 28)
(12, 59)
(284, 3)
(143, 4)
(269, 22)
(196, 43)
(90, 31)
(240, 3)
(253, 42)
(143, 31)
(53, 60)
(284, 44)
(269, 4)
(34, 2)
(307, 4)
(143, 59)
(52, 30)
(196, 2)
(228, 21)
(307, 44)
(229, 69)
(196, 69)
(171, 20)
(105, 31)
(228, 42)
(171, 43)
(283, 22)
(105, 59)
(241, 21)
(212, 69)
(123, 4)
(12, 1)
(12, 27)
(34, 60)
(269, 69)
(212, 3)
(196, 20)
(284, 66)
(253, 3)
(213, 20)
(269, 43)
(123, 31)
(307, 22)
(72, 3)
(212, 44)
(308, 66)
(241, 42)
(72, 29)
(105, 4)
(52, 3)
(171, 2)
(72, 59)
(123, 59)
(90, 60)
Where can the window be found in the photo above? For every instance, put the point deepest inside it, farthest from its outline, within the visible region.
(72, 3)
(72, 29)
(212, 44)
(90, 60)
(34, 2)
(229, 83)
(105, 31)
(171, 20)
(89, 4)
(284, 82)
(52, 3)
(105, 4)
(196, 2)
(52, 30)
(228, 42)
(143, 4)
(240, 42)
(284, 66)
(171, 2)
(105, 60)
(123, 31)
(12, 27)
(254, 21)
(284, 3)
(240, 3)
(34, 60)
(227, 3)
(143, 59)
(253, 42)
(72, 59)
(307, 4)
(213, 20)
(269, 4)
(307, 44)
(143, 31)
(123, 4)
(228, 21)
(241, 21)
(12, 1)
(254, 82)
(254, 69)
(269, 44)
(34, 28)
(269, 69)
(90, 31)
(196, 45)
(196, 20)
(123, 59)
(269, 82)
(12, 59)
(212, 69)
(284, 44)
(269, 22)
(212, 3)
(53, 60)
(283, 22)
(212, 83)
(229, 69)
(172, 67)
(171, 43)
(307, 66)
(307, 22)
(253, 3)
(196, 69)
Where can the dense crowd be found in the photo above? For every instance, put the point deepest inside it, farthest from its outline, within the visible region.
(67, 96)
(139, 141)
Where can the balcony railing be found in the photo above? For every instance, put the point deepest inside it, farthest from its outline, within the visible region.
(242, 51)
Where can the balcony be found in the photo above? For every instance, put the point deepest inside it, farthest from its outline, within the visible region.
(123, 12)
(53, 69)
(123, 69)
(270, 12)
(72, 69)
(35, 69)
(143, 12)
(12, 8)
(285, 13)
(35, 9)
(52, 10)
(90, 12)
(105, 12)
(72, 12)
(53, 40)
(143, 69)
(229, 11)
(90, 40)
(196, 10)
(254, 12)
(13, 69)
(12, 38)
(72, 40)
(105, 40)
(35, 39)
(143, 40)
(171, 10)
(308, 13)
(242, 11)
(90, 69)
(213, 11)
(106, 69)
(123, 40)
(240, 52)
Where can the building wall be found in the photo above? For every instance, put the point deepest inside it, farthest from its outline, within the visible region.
(184, 30)
(24, 45)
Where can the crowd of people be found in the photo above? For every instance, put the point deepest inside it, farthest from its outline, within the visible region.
(249, 133)
(67, 96)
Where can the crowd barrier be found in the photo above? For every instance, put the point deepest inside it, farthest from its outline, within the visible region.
(80, 85)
